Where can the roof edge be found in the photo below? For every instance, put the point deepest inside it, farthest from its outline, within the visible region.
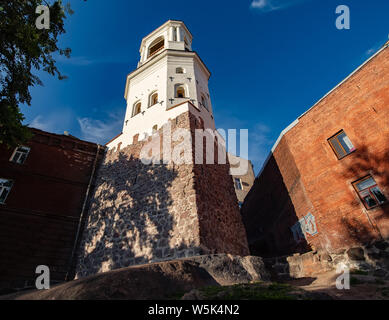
(295, 122)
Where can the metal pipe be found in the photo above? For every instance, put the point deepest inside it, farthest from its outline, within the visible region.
(82, 213)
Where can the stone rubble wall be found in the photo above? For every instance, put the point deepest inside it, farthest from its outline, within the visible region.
(372, 258)
(149, 213)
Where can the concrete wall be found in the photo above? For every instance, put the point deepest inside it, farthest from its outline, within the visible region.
(306, 173)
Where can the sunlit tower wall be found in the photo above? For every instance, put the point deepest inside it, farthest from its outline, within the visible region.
(143, 213)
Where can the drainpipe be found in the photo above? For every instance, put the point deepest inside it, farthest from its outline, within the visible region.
(82, 213)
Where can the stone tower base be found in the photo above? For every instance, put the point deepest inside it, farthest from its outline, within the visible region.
(147, 213)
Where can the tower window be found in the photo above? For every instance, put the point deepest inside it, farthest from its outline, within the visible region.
(5, 188)
(204, 102)
(180, 70)
(180, 91)
(137, 109)
(156, 46)
(153, 99)
(201, 123)
(238, 184)
(20, 155)
(341, 144)
(369, 192)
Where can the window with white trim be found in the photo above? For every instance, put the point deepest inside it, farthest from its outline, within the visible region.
(5, 188)
(20, 155)
(153, 100)
(136, 109)
(341, 144)
(180, 91)
(238, 184)
(204, 102)
(180, 70)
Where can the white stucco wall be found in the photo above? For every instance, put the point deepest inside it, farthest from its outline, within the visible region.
(159, 74)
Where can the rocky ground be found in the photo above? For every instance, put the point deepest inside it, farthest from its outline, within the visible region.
(215, 277)
(362, 286)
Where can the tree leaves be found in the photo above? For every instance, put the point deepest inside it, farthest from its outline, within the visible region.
(24, 49)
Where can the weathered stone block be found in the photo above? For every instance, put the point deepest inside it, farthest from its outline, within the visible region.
(159, 212)
(356, 254)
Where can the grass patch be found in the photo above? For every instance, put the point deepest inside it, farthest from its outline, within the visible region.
(176, 296)
(254, 291)
(384, 292)
(379, 281)
(359, 272)
(355, 281)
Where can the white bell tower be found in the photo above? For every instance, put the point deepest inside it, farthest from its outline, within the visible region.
(170, 79)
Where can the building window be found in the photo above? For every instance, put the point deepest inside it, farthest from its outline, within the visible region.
(201, 123)
(180, 91)
(5, 188)
(204, 102)
(20, 155)
(153, 99)
(369, 192)
(341, 144)
(137, 109)
(156, 46)
(180, 70)
(238, 184)
(155, 129)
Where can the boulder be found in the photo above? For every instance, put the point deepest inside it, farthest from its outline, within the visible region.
(162, 280)
(356, 254)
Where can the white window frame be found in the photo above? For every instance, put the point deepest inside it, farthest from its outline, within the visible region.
(183, 87)
(16, 155)
(204, 102)
(134, 108)
(180, 70)
(151, 98)
(240, 182)
(6, 188)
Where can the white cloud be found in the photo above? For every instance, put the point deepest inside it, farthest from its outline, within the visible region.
(100, 131)
(39, 123)
(56, 122)
(259, 144)
(260, 141)
(273, 5)
(82, 61)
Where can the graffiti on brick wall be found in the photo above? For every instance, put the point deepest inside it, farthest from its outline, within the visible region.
(306, 225)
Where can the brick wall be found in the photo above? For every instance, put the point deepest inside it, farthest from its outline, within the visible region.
(145, 213)
(39, 220)
(313, 180)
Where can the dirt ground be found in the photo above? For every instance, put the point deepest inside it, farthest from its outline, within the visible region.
(172, 280)
(362, 287)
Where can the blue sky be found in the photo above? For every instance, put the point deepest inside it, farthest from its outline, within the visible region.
(271, 60)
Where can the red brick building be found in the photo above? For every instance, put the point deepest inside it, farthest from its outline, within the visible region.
(43, 186)
(325, 184)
